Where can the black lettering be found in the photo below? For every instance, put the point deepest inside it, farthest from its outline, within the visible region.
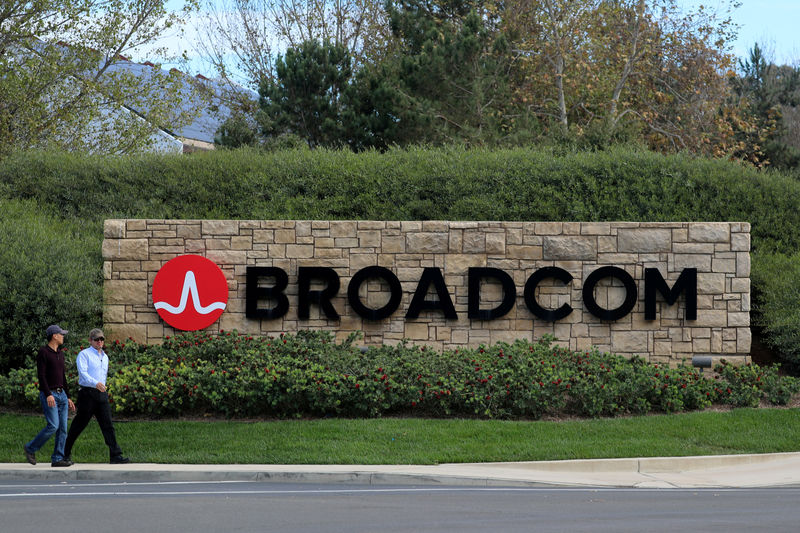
(306, 296)
(475, 275)
(609, 272)
(431, 275)
(372, 272)
(530, 293)
(686, 283)
(254, 293)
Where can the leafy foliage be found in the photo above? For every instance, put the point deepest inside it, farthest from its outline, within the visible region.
(235, 132)
(748, 385)
(775, 277)
(454, 66)
(419, 184)
(311, 375)
(59, 81)
(512, 73)
(767, 90)
(306, 98)
(48, 275)
(414, 184)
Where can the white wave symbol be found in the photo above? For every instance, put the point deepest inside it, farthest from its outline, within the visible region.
(189, 287)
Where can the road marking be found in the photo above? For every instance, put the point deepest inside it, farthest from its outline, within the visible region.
(123, 483)
(356, 490)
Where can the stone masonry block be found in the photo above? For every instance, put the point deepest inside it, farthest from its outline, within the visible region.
(548, 228)
(125, 292)
(132, 249)
(569, 248)
(629, 341)
(708, 283)
(189, 231)
(220, 227)
(285, 236)
(123, 332)
(424, 242)
(644, 240)
(114, 229)
(742, 265)
(369, 239)
(343, 228)
(740, 242)
(709, 232)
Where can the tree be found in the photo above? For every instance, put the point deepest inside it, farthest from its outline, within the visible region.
(551, 39)
(768, 92)
(444, 77)
(490, 72)
(236, 132)
(60, 84)
(613, 65)
(380, 112)
(452, 65)
(240, 36)
(307, 97)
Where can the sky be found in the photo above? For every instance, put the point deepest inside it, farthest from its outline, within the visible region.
(773, 24)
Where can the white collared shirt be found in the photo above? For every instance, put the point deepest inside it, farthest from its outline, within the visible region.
(92, 367)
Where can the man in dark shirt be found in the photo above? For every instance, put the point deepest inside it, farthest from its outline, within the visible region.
(53, 397)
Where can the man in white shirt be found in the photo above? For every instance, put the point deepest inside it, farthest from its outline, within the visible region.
(92, 366)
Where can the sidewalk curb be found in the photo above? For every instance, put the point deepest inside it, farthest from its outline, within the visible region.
(356, 476)
(653, 464)
(776, 469)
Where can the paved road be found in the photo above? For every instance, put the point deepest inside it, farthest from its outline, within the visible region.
(257, 506)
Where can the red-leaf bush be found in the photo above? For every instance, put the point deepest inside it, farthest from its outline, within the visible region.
(309, 374)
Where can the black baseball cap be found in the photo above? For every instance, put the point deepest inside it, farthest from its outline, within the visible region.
(55, 328)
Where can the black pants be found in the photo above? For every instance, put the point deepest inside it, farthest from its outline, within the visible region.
(92, 402)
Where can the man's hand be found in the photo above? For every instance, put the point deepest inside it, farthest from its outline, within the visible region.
(100, 387)
(51, 402)
(71, 405)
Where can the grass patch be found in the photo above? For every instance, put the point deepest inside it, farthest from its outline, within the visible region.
(423, 441)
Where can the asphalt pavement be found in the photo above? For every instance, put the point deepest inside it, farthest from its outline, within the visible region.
(718, 471)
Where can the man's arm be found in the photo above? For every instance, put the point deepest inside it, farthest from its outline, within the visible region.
(41, 371)
(70, 405)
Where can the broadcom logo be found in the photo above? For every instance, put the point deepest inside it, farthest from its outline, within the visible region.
(190, 292)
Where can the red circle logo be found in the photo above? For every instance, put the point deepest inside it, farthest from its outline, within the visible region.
(190, 292)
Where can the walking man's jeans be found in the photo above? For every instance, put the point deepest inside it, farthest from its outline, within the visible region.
(56, 418)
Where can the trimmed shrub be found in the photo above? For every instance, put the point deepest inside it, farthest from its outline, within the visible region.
(414, 184)
(311, 375)
(747, 385)
(776, 277)
(49, 274)
(418, 184)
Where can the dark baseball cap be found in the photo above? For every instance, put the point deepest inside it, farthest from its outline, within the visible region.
(55, 328)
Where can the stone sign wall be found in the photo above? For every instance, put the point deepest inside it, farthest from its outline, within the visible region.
(135, 250)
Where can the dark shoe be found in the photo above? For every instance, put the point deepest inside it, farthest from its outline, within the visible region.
(119, 460)
(62, 462)
(30, 456)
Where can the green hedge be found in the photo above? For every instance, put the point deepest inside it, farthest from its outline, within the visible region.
(414, 184)
(777, 278)
(50, 273)
(311, 375)
(448, 184)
